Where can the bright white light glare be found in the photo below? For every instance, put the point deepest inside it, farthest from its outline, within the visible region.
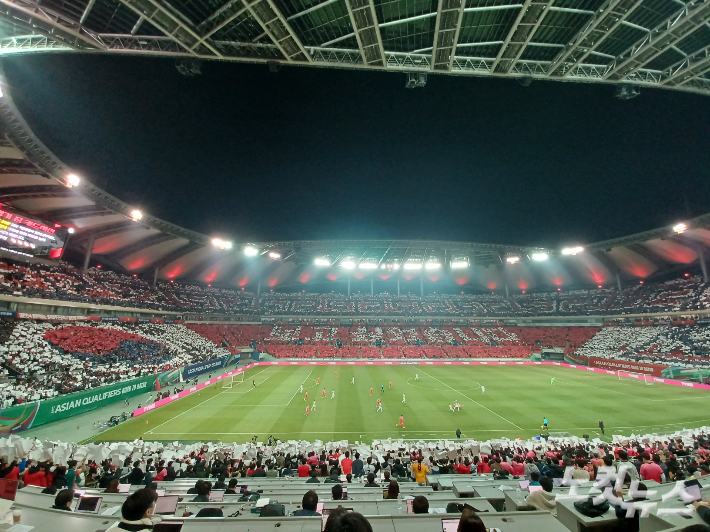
(321, 262)
(73, 180)
(512, 260)
(274, 255)
(70, 230)
(459, 264)
(432, 265)
(348, 264)
(1, 93)
(680, 228)
(221, 244)
(395, 266)
(539, 256)
(136, 215)
(251, 251)
(572, 251)
(368, 265)
(413, 266)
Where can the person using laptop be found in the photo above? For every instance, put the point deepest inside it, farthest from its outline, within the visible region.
(203, 491)
(137, 511)
(470, 521)
(63, 500)
(309, 504)
(112, 486)
(232, 487)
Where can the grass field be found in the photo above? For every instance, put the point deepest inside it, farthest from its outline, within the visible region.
(515, 401)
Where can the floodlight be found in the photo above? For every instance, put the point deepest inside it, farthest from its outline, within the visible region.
(432, 265)
(251, 251)
(572, 251)
(368, 265)
(73, 180)
(274, 255)
(395, 266)
(459, 264)
(136, 215)
(321, 262)
(539, 256)
(413, 266)
(70, 230)
(680, 228)
(512, 260)
(221, 244)
(348, 264)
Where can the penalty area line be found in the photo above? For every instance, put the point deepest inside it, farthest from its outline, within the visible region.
(297, 391)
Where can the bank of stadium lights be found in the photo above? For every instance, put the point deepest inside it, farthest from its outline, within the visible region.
(73, 180)
(412, 265)
(457, 264)
(680, 228)
(136, 215)
(322, 261)
(540, 256)
(390, 266)
(274, 255)
(221, 244)
(251, 251)
(512, 260)
(368, 265)
(70, 230)
(432, 265)
(348, 264)
(572, 251)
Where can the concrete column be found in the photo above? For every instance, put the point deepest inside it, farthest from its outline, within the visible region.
(397, 285)
(506, 290)
(421, 281)
(703, 266)
(155, 278)
(348, 286)
(87, 255)
(372, 286)
(618, 281)
(258, 288)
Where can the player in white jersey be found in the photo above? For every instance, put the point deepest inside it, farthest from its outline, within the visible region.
(451, 407)
(353, 381)
(404, 398)
(314, 406)
(483, 389)
(332, 395)
(301, 388)
(457, 406)
(416, 376)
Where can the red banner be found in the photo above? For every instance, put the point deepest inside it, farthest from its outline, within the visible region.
(627, 365)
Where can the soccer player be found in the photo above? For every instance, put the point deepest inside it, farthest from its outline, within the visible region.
(308, 410)
(552, 380)
(451, 407)
(253, 384)
(483, 390)
(314, 406)
(544, 423)
(404, 399)
(336, 373)
(401, 422)
(323, 393)
(306, 397)
(370, 391)
(332, 395)
(390, 384)
(457, 406)
(318, 380)
(353, 382)
(382, 387)
(301, 388)
(416, 376)
(379, 405)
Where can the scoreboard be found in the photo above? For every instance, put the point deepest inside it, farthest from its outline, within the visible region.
(24, 235)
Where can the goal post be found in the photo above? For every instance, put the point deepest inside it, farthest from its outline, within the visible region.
(641, 377)
(234, 380)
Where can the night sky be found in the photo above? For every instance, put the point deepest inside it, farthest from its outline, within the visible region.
(313, 153)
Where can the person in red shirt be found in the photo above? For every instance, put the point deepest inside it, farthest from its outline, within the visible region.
(347, 464)
(336, 373)
(306, 398)
(323, 393)
(401, 422)
(390, 384)
(518, 466)
(483, 466)
(464, 468)
(379, 405)
(303, 469)
(650, 470)
(318, 381)
(370, 391)
(35, 476)
(308, 410)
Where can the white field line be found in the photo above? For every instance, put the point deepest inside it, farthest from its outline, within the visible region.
(297, 390)
(479, 404)
(208, 399)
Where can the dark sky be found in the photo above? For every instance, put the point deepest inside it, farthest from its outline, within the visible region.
(312, 153)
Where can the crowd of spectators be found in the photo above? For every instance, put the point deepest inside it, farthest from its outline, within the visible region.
(54, 359)
(105, 287)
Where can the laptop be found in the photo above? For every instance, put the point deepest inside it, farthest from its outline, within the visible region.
(8, 489)
(166, 505)
(124, 488)
(524, 484)
(534, 488)
(216, 495)
(345, 492)
(89, 505)
(160, 493)
(558, 482)
(79, 493)
(691, 493)
(167, 526)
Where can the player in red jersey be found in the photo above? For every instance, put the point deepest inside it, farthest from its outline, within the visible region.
(308, 410)
(379, 405)
(323, 393)
(390, 384)
(370, 391)
(336, 373)
(306, 397)
(318, 381)
(401, 422)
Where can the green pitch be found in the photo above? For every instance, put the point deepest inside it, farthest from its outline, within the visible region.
(515, 401)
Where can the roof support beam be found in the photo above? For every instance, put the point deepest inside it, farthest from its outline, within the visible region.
(74, 213)
(279, 31)
(175, 255)
(142, 244)
(51, 24)
(663, 37)
(87, 11)
(610, 17)
(213, 25)
(367, 32)
(35, 191)
(446, 33)
(107, 230)
(312, 9)
(526, 30)
(511, 32)
(173, 26)
(692, 66)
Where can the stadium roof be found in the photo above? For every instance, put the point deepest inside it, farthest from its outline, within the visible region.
(34, 180)
(658, 43)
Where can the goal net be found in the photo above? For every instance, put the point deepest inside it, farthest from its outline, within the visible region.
(232, 381)
(640, 377)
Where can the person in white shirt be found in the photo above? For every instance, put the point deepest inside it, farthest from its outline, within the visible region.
(353, 381)
(314, 406)
(483, 389)
(404, 399)
(416, 376)
(332, 395)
